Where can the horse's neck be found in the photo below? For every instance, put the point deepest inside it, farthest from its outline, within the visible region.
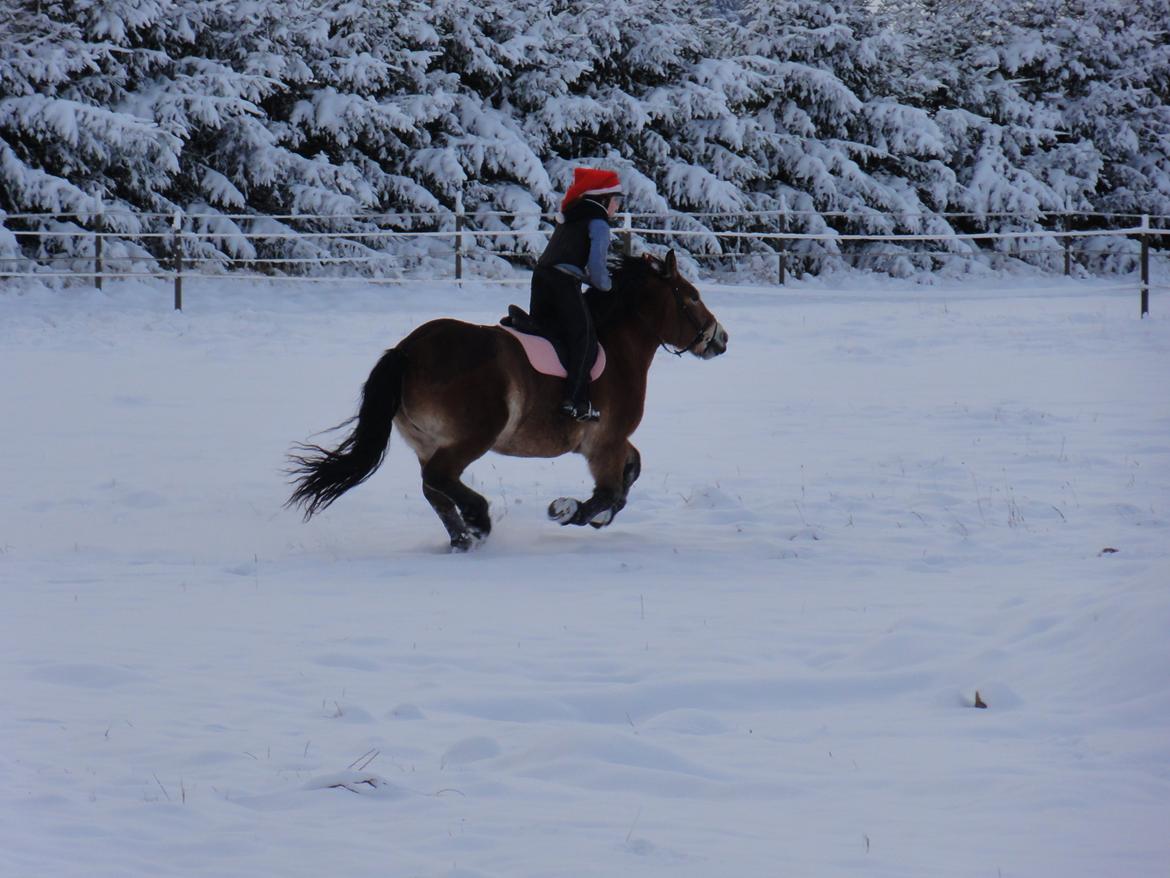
(630, 345)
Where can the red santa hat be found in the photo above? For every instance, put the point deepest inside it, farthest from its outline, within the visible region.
(591, 181)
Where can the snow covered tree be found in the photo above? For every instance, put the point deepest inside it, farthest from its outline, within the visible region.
(485, 154)
(844, 155)
(361, 116)
(1014, 164)
(1103, 67)
(349, 103)
(68, 69)
(630, 87)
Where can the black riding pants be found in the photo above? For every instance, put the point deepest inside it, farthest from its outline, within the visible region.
(558, 303)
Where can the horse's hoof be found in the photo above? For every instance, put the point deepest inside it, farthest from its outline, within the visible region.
(563, 509)
(467, 541)
(602, 518)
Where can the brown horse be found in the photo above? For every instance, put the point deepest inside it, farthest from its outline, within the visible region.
(457, 391)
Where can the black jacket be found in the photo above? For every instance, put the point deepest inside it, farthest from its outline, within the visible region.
(570, 241)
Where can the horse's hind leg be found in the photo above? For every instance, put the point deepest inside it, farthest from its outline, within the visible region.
(448, 512)
(464, 513)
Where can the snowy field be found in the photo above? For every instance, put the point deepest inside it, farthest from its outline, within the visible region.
(884, 498)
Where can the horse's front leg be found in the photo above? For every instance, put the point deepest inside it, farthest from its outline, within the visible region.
(598, 510)
(614, 470)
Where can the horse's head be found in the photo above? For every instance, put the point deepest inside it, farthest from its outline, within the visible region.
(681, 319)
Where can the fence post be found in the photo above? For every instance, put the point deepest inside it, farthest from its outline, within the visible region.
(1067, 248)
(177, 249)
(783, 252)
(98, 225)
(1145, 264)
(627, 234)
(459, 235)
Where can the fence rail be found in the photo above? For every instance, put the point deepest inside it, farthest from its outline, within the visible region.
(170, 246)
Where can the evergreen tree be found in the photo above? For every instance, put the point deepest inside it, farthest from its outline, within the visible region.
(633, 87)
(354, 116)
(69, 138)
(845, 155)
(486, 155)
(1007, 151)
(1103, 68)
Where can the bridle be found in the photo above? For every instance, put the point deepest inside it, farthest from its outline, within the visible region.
(700, 330)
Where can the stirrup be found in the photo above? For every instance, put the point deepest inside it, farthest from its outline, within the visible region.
(581, 411)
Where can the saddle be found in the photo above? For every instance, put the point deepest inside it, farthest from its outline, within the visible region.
(544, 350)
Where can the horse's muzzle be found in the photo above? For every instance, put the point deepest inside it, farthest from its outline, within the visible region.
(716, 342)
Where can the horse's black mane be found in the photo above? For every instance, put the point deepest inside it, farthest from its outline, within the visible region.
(629, 275)
(633, 270)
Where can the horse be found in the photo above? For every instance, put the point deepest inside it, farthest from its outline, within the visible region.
(456, 390)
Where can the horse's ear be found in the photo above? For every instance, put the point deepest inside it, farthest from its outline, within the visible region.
(671, 264)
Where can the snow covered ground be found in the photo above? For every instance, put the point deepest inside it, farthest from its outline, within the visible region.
(883, 499)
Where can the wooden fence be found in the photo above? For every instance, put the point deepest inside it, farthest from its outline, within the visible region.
(167, 250)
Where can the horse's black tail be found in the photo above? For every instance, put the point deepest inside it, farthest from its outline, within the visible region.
(321, 475)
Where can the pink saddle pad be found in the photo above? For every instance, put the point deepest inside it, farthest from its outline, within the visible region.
(543, 356)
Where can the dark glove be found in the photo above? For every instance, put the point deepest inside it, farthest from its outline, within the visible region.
(601, 304)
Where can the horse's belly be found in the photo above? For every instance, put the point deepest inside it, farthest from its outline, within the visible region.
(525, 440)
(520, 448)
(530, 433)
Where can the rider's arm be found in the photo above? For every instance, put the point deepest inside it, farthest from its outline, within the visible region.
(598, 274)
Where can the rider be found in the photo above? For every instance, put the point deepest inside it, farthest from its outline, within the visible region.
(576, 254)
